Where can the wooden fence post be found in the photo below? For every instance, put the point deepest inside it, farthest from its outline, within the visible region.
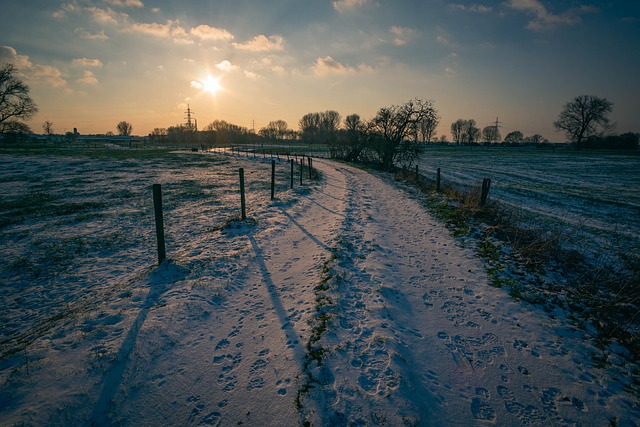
(157, 205)
(273, 179)
(291, 161)
(438, 181)
(486, 184)
(301, 168)
(243, 205)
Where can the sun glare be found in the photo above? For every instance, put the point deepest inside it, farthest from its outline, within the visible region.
(211, 85)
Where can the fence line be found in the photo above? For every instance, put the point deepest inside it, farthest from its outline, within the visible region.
(158, 211)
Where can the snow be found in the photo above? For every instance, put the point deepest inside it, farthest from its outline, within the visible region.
(341, 302)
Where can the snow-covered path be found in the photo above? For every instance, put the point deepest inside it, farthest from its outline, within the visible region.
(343, 303)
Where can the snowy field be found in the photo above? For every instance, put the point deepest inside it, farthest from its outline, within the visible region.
(341, 302)
(591, 197)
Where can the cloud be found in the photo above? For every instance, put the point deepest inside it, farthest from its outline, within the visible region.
(226, 66)
(84, 62)
(476, 8)
(251, 75)
(106, 16)
(262, 44)
(170, 29)
(543, 19)
(87, 78)
(125, 3)
(403, 35)
(84, 34)
(196, 84)
(345, 5)
(32, 72)
(206, 32)
(328, 66)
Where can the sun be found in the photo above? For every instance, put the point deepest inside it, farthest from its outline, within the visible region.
(211, 85)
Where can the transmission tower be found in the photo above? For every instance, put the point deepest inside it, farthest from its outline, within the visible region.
(190, 124)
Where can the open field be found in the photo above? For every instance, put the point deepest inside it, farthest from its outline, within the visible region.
(591, 197)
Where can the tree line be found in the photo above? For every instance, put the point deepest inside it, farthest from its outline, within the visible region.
(394, 136)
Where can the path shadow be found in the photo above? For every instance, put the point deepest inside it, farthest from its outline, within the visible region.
(313, 238)
(281, 312)
(159, 281)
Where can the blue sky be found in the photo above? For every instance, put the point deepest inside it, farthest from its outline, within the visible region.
(93, 63)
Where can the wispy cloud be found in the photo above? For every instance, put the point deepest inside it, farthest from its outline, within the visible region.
(262, 43)
(85, 62)
(205, 32)
(84, 34)
(328, 66)
(345, 5)
(88, 78)
(125, 3)
(476, 8)
(543, 19)
(403, 35)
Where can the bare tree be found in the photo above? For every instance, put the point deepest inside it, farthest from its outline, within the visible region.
(124, 128)
(458, 130)
(15, 103)
(47, 128)
(276, 130)
(491, 134)
(584, 116)
(309, 126)
(391, 132)
(352, 141)
(514, 137)
(426, 128)
(472, 133)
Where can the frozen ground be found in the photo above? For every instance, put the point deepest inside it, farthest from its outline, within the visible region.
(339, 303)
(589, 196)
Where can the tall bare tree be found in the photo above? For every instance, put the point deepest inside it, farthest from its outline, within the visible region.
(15, 103)
(458, 130)
(124, 128)
(584, 116)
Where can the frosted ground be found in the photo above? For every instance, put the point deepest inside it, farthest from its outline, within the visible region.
(342, 302)
(591, 196)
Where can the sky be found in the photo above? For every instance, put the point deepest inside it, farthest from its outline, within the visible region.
(93, 63)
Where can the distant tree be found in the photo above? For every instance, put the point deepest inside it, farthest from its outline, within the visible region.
(352, 140)
(584, 116)
(15, 131)
(426, 128)
(472, 132)
(536, 139)
(514, 137)
(329, 125)
(391, 132)
(319, 127)
(491, 134)
(443, 139)
(458, 130)
(228, 133)
(124, 128)
(158, 134)
(275, 130)
(47, 128)
(309, 126)
(15, 103)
